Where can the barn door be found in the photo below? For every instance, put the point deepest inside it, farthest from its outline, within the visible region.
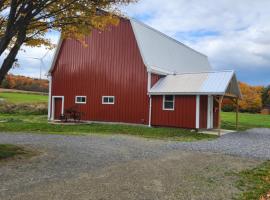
(58, 107)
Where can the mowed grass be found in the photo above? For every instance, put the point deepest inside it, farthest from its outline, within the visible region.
(255, 183)
(14, 97)
(39, 124)
(246, 121)
(9, 150)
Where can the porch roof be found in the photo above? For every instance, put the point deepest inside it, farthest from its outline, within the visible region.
(203, 83)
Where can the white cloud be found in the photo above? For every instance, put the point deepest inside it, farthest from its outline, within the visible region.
(235, 34)
(240, 30)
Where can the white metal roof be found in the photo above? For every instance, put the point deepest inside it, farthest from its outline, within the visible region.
(159, 51)
(216, 83)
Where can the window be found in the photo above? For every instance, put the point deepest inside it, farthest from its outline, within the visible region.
(168, 102)
(108, 100)
(80, 99)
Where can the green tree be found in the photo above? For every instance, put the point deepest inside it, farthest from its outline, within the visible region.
(27, 22)
(266, 96)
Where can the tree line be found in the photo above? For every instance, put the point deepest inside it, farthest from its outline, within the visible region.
(254, 98)
(25, 83)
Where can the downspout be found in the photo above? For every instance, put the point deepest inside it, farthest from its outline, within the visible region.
(150, 98)
(49, 96)
(198, 112)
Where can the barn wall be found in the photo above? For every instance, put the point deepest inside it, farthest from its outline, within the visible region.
(183, 116)
(203, 111)
(111, 65)
(155, 78)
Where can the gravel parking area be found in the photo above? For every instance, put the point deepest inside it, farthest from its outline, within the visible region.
(124, 167)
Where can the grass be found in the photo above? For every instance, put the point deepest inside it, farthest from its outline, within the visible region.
(254, 183)
(9, 150)
(13, 97)
(39, 124)
(246, 121)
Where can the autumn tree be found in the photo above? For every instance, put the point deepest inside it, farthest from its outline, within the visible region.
(251, 99)
(26, 22)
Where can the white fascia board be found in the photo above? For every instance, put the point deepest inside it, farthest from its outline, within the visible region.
(56, 53)
(185, 93)
(156, 70)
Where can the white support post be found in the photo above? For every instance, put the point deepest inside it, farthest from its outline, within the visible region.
(210, 112)
(197, 111)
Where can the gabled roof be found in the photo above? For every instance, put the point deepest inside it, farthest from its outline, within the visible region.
(215, 83)
(159, 51)
(161, 54)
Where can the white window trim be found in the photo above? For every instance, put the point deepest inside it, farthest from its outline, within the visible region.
(80, 102)
(163, 103)
(103, 97)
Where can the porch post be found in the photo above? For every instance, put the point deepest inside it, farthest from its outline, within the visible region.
(219, 114)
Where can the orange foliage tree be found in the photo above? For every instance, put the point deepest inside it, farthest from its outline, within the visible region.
(25, 83)
(251, 101)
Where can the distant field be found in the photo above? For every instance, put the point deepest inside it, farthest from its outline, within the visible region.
(14, 97)
(246, 121)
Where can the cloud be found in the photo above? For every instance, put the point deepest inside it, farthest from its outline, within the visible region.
(233, 34)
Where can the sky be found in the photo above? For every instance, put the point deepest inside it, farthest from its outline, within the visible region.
(234, 34)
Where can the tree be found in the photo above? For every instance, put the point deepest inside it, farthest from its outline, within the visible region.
(266, 96)
(26, 22)
(251, 101)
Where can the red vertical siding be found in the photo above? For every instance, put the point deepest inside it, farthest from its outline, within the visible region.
(155, 78)
(184, 114)
(203, 111)
(57, 108)
(111, 65)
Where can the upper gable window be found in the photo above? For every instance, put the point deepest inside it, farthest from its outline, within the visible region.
(168, 102)
(108, 100)
(80, 99)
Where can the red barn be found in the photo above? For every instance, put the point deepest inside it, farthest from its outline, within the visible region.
(132, 73)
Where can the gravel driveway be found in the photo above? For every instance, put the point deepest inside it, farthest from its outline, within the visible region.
(124, 167)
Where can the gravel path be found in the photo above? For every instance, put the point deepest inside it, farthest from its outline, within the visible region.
(87, 164)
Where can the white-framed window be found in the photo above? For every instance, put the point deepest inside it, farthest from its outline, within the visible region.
(80, 99)
(168, 102)
(108, 99)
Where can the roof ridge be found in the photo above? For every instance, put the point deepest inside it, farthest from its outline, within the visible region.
(204, 72)
(168, 37)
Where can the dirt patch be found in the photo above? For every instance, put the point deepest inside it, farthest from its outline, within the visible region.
(176, 175)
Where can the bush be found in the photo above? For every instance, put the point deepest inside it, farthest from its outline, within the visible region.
(12, 108)
(228, 108)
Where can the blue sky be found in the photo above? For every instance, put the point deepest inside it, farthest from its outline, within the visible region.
(234, 34)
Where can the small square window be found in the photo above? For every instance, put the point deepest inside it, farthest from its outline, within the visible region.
(168, 102)
(80, 99)
(108, 100)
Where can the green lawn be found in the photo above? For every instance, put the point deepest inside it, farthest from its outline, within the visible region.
(39, 124)
(14, 97)
(9, 150)
(254, 183)
(246, 121)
